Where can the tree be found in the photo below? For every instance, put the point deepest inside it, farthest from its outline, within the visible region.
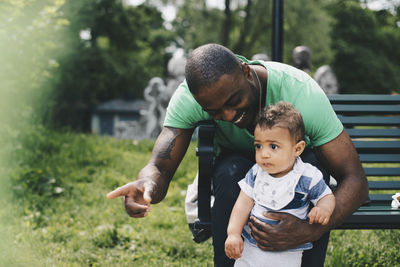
(29, 51)
(250, 27)
(72, 55)
(124, 47)
(196, 24)
(308, 23)
(365, 44)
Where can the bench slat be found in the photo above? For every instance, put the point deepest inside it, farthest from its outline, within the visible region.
(384, 185)
(382, 171)
(373, 133)
(377, 207)
(386, 147)
(364, 99)
(366, 109)
(372, 220)
(380, 158)
(381, 198)
(369, 121)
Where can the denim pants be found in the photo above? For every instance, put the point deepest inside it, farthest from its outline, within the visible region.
(229, 169)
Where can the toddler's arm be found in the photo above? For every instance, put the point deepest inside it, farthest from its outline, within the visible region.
(322, 212)
(238, 219)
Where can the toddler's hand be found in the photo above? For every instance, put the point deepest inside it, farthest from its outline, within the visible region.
(318, 215)
(234, 246)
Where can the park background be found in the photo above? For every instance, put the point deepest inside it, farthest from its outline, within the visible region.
(60, 59)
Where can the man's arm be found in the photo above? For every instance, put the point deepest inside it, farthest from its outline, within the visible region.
(153, 180)
(340, 158)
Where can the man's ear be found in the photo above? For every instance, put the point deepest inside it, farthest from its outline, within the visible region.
(299, 148)
(246, 69)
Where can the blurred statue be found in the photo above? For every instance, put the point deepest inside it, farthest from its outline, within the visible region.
(150, 122)
(326, 78)
(129, 129)
(157, 95)
(260, 56)
(176, 75)
(301, 57)
(176, 71)
(324, 75)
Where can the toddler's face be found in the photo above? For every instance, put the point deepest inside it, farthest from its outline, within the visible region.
(276, 150)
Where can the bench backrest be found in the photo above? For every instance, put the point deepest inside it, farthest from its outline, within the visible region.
(373, 123)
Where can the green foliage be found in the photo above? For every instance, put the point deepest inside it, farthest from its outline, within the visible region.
(362, 248)
(107, 237)
(250, 31)
(360, 44)
(63, 76)
(36, 182)
(307, 23)
(51, 73)
(365, 44)
(29, 31)
(29, 35)
(208, 23)
(124, 48)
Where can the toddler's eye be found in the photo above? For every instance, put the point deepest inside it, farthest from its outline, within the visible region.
(257, 146)
(273, 146)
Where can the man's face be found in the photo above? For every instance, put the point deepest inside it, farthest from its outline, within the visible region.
(233, 98)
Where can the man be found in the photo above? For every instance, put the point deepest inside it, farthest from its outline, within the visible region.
(232, 90)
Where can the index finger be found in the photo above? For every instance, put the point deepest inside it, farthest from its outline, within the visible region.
(259, 231)
(120, 191)
(276, 216)
(258, 226)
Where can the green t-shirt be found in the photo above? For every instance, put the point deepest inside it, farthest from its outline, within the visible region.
(285, 83)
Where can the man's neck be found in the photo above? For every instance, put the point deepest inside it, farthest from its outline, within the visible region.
(263, 76)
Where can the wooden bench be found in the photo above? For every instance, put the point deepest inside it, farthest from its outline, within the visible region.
(373, 123)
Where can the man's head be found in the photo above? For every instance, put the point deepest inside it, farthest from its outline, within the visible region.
(224, 86)
(207, 63)
(278, 138)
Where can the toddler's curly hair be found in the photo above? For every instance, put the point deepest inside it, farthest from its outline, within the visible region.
(282, 114)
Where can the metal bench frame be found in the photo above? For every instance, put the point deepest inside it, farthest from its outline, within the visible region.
(373, 123)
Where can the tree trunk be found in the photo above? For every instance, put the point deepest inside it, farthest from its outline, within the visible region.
(227, 23)
(240, 45)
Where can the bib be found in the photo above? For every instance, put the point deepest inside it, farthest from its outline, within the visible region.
(276, 193)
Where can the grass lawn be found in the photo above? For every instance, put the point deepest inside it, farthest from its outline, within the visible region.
(56, 213)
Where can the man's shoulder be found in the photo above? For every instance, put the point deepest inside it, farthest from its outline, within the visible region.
(285, 72)
(183, 110)
(182, 90)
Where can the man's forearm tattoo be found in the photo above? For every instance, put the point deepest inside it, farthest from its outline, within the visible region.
(165, 152)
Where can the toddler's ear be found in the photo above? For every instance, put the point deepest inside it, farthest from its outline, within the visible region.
(299, 148)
